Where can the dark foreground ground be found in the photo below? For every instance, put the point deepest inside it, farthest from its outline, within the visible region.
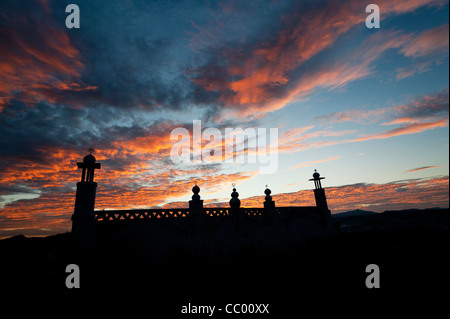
(326, 277)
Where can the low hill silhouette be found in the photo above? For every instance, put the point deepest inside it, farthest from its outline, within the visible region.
(352, 213)
(360, 220)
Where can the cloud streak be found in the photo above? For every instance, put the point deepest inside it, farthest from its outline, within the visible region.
(430, 42)
(404, 130)
(426, 112)
(311, 163)
(420, 169)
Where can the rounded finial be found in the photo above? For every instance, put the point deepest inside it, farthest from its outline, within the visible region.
(316, 175)
(89, 159)
(235, 202)
(267, 191)
(196, 190)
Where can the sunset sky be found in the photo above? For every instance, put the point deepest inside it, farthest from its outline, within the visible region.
(367, 108)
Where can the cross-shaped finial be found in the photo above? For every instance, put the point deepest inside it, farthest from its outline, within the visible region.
(91, 150)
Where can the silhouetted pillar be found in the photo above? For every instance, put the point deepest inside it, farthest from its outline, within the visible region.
(321, 198)
(273, 233)
(196, 210)
(235, 202)
(235, 211)
(269, 206)
(83, 216)
(321, 201)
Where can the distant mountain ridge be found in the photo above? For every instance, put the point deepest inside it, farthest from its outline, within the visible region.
(355, 212)
(361, 220)
(362, 212)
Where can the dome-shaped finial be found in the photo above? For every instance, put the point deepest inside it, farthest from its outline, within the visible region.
(89, 159)
(196, 190)
(316, 175)
(316, 179)
(268, 192)
(235, 202)
(234, 193)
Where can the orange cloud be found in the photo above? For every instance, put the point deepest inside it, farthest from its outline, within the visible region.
(403, 6)
(299, 139)
(425, 107)
(261, 80)
(420, 169)
(358, 116)
(407, 129)
(36, 66)
(266, 68)
(429, 42)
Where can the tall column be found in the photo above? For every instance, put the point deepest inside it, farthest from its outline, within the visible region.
(269, 206)
(321, 198)
(83, 216)
(321, 201)
(319, 192)
(237, 217)
(196, 211)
